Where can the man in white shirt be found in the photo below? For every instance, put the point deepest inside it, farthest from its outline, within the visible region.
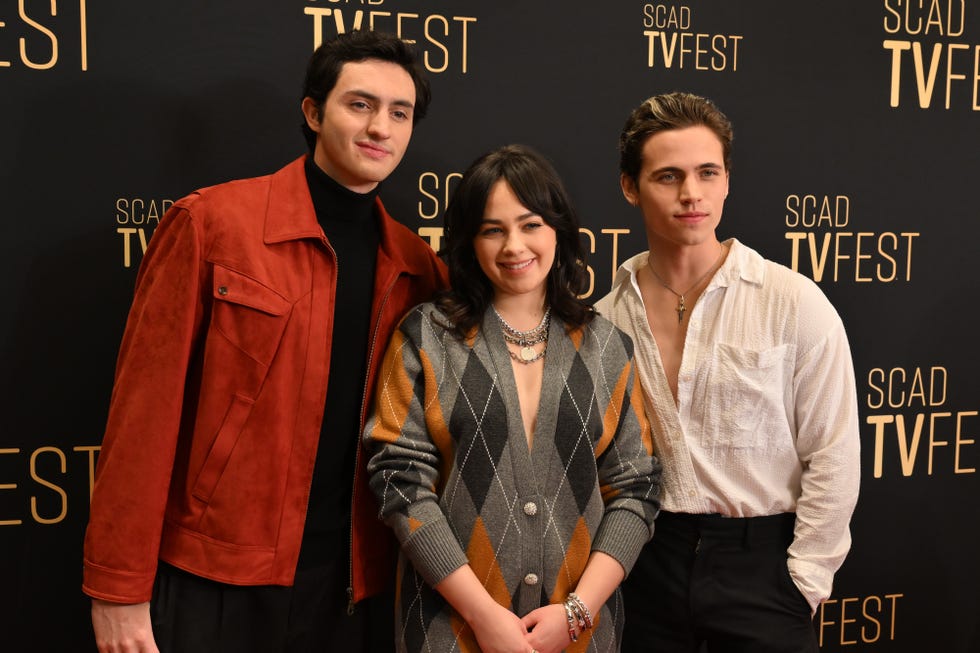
(749, 384)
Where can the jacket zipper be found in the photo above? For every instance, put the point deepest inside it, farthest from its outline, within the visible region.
(357, 450)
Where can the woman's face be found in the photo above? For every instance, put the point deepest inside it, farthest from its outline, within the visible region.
(514, 246)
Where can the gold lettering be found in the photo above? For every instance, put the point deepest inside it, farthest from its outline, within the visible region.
(933, 443)
(83, 27)
(925, 83)
(894, 598)
(841, 242)
(398, 21)
(859, 256)
(430, 31)
(885, 255)
(825, 622)
(893, 27)
(961, 441)
(896, 81)
(949, 68)
(873, 611)
(926, 79)
(934, 22)
(844, 620)
(61, 493)
(615, 233)
(976, 78)
(838, 257)
(721, 46)
(445, 52)
(864, 611)
(588, 268)
(434, 234)
(3, 63)
(44, 30)
(466, 21)
(91, 465)
(873, 374)
(906, 451)
(435, 200)
(9, 486)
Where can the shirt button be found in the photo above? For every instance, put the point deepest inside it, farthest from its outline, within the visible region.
(222, 290)
(531, 579)
(530, 509)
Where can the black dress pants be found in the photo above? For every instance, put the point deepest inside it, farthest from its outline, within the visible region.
(191, 614)
(716, 584)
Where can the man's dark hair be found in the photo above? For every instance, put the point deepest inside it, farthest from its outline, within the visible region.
(360, 45)
(665, 112)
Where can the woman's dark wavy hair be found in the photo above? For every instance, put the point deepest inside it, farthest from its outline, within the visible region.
(539, 188)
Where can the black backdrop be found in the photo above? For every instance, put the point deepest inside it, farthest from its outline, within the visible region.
(856, 159)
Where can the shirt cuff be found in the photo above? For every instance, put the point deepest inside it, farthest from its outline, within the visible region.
(813, 581)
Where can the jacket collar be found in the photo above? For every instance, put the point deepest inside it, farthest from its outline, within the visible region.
(290, 216)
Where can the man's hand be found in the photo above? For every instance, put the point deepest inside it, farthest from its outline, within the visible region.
(122, 627)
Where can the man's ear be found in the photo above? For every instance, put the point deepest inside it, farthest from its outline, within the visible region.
(629, 189)
(311, 110)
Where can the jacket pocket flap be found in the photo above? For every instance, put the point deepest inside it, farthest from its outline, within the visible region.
(232, 286)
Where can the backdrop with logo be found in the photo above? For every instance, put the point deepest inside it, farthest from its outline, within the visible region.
(857, 151)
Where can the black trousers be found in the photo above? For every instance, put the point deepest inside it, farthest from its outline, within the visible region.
(716, 584)
(191, 614)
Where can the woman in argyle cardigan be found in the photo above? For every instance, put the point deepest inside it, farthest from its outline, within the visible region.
(512, 456)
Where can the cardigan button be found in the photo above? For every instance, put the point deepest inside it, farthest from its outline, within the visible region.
(530, 509)
(531, 579)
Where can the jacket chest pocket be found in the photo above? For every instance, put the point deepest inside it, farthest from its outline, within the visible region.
(248, 315)
(248, 321)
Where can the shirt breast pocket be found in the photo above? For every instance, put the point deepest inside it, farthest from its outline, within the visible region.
(248, 314)
(744, 393)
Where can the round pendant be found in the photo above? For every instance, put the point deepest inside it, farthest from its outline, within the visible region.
(528, 353)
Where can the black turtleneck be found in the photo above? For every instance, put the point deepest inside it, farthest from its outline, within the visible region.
(350, 223)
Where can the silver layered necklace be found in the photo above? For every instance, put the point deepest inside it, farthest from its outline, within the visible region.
(526, 340)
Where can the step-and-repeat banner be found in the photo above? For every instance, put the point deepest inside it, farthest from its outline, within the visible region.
(856, 162)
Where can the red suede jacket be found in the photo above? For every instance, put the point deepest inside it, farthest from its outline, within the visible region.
(219, 393)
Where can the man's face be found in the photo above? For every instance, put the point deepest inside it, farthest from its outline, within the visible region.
(681, 187)
(365, 125)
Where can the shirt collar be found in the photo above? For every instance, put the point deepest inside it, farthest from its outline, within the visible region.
(743, 263)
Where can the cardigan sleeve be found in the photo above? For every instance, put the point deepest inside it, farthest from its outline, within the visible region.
(629, 473)
(406, 466)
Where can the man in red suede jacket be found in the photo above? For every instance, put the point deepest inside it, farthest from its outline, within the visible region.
(230, 509)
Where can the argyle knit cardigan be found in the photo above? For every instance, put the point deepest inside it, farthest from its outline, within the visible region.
(458, 483)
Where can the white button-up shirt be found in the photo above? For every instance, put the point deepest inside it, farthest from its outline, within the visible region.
(766, 417)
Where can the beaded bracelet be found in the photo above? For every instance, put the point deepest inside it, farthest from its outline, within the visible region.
(581, 610)
(571, 622)
(578, 615)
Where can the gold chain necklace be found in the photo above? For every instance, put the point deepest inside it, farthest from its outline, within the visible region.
(681, 306)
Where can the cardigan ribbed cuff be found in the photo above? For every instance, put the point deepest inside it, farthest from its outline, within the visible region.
(622, 535)
(435, 552)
